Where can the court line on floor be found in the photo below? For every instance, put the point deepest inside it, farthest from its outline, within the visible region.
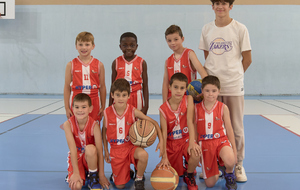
(32, 111)
(278, 107)
(30, 121)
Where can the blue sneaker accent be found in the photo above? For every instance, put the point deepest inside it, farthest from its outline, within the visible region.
(230, 181)
(93, 181)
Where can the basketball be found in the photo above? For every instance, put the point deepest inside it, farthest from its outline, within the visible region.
(164, 178)
(194, 89)
(142, 133)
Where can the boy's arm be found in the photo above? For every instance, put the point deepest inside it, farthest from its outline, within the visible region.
(140, 115)
(67, 89)
(190, 123)
(106, 153)
(102, 89)
(196, 64)
(98, 142)
(163, 124)
(247, 59)
(229, 130)
(145, 88)
(165, 86)
(73, 154)
(113, 78)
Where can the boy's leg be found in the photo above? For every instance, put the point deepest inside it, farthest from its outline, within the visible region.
(236, 109)
(91, 158)
(142, 160)
(189, 177)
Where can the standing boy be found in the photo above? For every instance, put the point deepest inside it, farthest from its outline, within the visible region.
(215, 134)
(85, 143)
(176, 134)
(183, 60)
(85, 74)
(118, 118)
(227, 54)
(134, 69)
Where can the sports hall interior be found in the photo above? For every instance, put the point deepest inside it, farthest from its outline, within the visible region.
(36, 46)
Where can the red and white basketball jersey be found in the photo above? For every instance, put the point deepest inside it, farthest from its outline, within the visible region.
(117, 132)
(210, 124)
(181, 65)
(176, 120)
(85, 77)
(131, 71)
(84, 137)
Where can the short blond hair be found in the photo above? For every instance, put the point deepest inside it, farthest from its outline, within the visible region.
(85, 37)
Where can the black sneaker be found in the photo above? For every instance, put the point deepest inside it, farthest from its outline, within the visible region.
(139, 185)
(230, 181)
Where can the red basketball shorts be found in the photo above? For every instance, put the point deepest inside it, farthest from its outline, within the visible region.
(136, 99)
(82, 166)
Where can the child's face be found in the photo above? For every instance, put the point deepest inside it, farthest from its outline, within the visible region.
(120, 98)
(210, 92)
(81, 110)
(178, 88)
(174, 41)
(128, 46)
(84, 48)
(221, 8)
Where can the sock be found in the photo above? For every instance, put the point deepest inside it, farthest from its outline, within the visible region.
(93, 171)
(138, 178)
(190, 174)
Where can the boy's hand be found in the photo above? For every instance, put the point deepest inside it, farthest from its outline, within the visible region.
(103, 181)
(164, 162)
(74, 179)
(106, 157)
(160, 146)
(195, 147)
(69, 113)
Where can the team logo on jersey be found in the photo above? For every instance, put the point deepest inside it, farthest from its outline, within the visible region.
(181, 113)
(136, 68)
(184, 66)
(217, 118)
(95, 86)
(216, 135)
(185, 130)
(127, 123)
(170, 67)
(94, 71)
(127, 139)
(77, 71)
(201, 119)
(111, 124)
(121, 67)
(219, 46)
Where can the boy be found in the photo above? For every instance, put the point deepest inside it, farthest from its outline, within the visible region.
(176, 134)
(183, 60)
(85, 143)
(227, 52)
(134, 69)
(215, 134)
(85, 74)
(118, 118)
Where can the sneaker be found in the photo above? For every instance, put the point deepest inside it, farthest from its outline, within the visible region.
(240, 174)
(201, 174)
(139, 185)
(93, 181)
(230, 181)
(190, 181)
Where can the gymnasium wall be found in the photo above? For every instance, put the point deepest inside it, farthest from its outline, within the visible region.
(36, 46)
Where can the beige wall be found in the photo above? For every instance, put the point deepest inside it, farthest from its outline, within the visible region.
(151, 2)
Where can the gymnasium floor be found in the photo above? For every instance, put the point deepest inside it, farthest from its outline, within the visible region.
(34, 150)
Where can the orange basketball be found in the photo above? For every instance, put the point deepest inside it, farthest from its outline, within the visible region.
(142, 133)
(164, 178)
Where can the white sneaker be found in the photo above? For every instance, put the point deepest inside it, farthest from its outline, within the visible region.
(240, 174)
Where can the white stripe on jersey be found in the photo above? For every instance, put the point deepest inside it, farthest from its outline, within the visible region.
(209, 123)
(177, 68)
(128, 73)
(86, 79)
(177, 127)
(120, 129)
(139, 100)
